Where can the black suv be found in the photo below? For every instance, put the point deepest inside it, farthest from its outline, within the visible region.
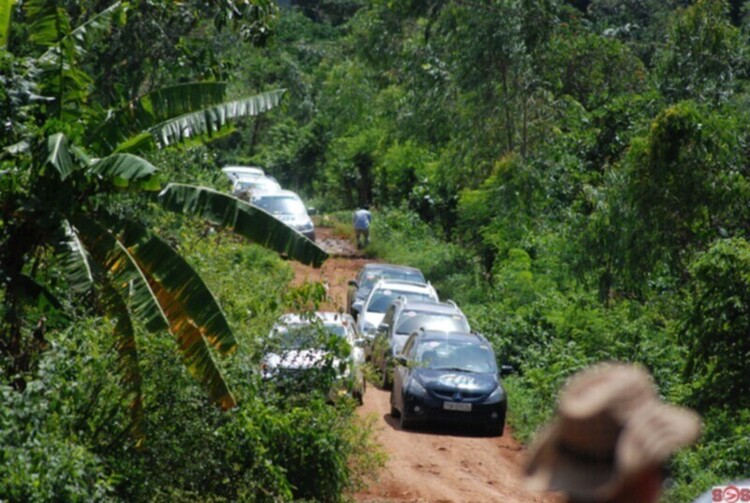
(402, 318)
(448, 377)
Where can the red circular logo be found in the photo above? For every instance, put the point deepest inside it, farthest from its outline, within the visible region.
(731, 494)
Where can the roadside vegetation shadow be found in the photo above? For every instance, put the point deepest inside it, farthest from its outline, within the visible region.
(439, 429)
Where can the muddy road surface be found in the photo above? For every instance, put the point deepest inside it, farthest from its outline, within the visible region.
(427, 464)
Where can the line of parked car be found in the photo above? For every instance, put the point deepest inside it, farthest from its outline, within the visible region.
(253, 185)
(437, 368)
(423, 349)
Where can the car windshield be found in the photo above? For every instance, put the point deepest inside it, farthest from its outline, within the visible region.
(289, 205)
(382, 299)
(410, 321)
(466, 356)
(371, 278)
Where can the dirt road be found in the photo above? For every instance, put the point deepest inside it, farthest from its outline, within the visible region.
(425, 465)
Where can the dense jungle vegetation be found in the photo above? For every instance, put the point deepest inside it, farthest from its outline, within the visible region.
(575, 174)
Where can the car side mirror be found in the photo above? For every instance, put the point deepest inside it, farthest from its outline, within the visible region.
(353, 282)
(312, 211)
(357, 306)
(383, 327)
(506, 370)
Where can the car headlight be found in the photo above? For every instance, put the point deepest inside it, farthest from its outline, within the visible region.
(307, 226)
(369, 329)
(415, 388)
(498, 395)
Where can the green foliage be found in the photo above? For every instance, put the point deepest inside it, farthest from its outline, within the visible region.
(687, 185)
(704, 58)
(715, 325)
(591, 68)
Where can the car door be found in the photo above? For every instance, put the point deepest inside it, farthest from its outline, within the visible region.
(401, 371)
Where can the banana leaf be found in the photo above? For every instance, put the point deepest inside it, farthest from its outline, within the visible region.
(195, 317)
(58, 155)
(125, 168)
(51, 37)
(116, 132)
(49, 22)
(127, 278)
(244, 219)
(75, 261)
(6, 11)
(211, 120)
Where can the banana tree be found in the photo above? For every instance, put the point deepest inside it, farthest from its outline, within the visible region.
(58, 198)
(131, 274)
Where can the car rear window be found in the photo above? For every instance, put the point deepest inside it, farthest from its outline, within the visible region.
(409, 321)
(383, 298)
(287, 205)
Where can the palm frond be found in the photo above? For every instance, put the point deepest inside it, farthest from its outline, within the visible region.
(125, 168)
(6, 12)
(116, 132)
(195, 317)
(98, 23)
(49, 22)
(127, 278)
(211, 120)
(75, 261)
(189, 299)
(244, 219)
(58, 155)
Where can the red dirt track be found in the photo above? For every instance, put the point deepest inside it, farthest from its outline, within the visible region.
(426, 464)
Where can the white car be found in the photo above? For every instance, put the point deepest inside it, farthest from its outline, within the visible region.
(372, 310)
(296, 347)
(246, 188)
(287, 207)
(249, 180)
(246, 172)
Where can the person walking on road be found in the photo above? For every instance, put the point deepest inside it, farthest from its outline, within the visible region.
(610, 438)
(362, 219)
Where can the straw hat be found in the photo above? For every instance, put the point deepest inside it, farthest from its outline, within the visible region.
(610, 426)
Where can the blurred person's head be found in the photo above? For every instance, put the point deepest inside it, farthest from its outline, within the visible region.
(610, 438)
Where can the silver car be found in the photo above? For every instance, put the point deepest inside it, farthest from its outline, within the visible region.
(287, 207)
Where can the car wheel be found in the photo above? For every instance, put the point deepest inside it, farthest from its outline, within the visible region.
(495, 429)
(403, 422)
(394, 412)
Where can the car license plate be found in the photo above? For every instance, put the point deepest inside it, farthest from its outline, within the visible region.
(460, 406)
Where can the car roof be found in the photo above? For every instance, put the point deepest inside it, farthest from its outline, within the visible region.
(236, 172)
(431, 307)
(436, 335)
(277, 194)
(396, 284)
(377, 266)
